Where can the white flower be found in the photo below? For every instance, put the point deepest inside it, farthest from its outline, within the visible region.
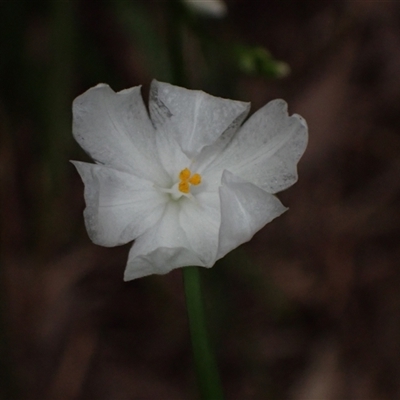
(212, 8)
(188, 183)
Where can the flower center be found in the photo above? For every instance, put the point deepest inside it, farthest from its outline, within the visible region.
(186, 179)
(182, 187)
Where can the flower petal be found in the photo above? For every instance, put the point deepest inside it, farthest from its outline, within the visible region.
(196, 119)
(115, 130)
(209, 154)
(162, 248)
(159, 261)
(265, 151)
(245, 209)
(170, 154)
(200, 219)
(119, 206)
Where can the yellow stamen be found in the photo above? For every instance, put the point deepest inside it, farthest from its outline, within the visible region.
(184, 187)
(184, 174)
(195, 179)
(186, 179)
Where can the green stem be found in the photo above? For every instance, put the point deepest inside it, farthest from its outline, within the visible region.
(206, 367)
(175, 42)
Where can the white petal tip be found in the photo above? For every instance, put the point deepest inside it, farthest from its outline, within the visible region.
(100, 85)
(301, 119)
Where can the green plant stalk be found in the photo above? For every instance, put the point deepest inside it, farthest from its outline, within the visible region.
(206, 367)
(175, 12)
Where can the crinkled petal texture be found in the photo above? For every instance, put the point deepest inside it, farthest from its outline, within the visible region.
(245, 209)
(139, 158)
(265, 150)
(115, 130)
(119, 206)
(193, 118)
(187, 234)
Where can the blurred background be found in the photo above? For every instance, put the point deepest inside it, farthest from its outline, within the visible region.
(309, 309)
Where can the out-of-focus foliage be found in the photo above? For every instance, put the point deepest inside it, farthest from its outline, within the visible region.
(258, 61)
